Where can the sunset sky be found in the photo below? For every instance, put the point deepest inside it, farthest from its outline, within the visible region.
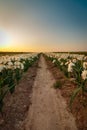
(43, 25)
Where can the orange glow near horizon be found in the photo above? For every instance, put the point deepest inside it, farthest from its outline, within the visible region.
(37, 26)
(23, 48)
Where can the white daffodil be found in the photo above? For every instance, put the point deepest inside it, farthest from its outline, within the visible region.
(85, 57)
(85, 65)
(54, 61)
(10, 63)
(61, 63)
(21, 66)
(1, 67)
(84, 74)
(70, 67)
(17, 63)
(74, 60)
(67, 63)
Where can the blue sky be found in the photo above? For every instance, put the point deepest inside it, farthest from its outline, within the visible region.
(43, 25)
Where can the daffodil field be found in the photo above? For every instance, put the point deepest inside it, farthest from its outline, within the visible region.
(12, 67)
(74, 66)
(11, 70)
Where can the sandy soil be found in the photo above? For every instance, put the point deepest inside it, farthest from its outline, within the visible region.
(48, 110)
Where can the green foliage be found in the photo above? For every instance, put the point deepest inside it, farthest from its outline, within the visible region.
(10, 77)
(11, 80)
(77, 70)
(57, 63)
(82, 88)
(2, 95)
(58, 84)
(18, 74)
(62, 67)
(74, 94)
(76, 74)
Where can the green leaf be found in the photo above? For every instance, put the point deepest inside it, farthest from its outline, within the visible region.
(12, 88)
(76, 91)
(2, 97)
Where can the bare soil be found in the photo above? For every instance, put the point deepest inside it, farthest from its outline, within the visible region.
(48, 110)
(68, 86)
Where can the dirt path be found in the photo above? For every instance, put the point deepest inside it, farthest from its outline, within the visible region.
(48, 110)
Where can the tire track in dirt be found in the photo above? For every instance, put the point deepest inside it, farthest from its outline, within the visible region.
(48, 110)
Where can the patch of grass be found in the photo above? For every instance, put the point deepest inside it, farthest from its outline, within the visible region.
(58, 84)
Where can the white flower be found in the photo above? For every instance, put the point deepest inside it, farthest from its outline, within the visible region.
(21, 66)
(5, 62)
(67, 63)
(9, 67)
(85, 65)
(10, 63)
(54, 61)
(84, 74)
(1, 67)
(17, 63)
(70, 67)
(23, 62)
(59, 59)
(61, 63)
(74, 60)
(85, 58)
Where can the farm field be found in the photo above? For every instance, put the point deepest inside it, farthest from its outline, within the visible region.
(45, 96)
(43, 64)
(69, 86)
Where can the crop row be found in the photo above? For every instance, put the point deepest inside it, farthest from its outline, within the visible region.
(11, 71)
(74, 66)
